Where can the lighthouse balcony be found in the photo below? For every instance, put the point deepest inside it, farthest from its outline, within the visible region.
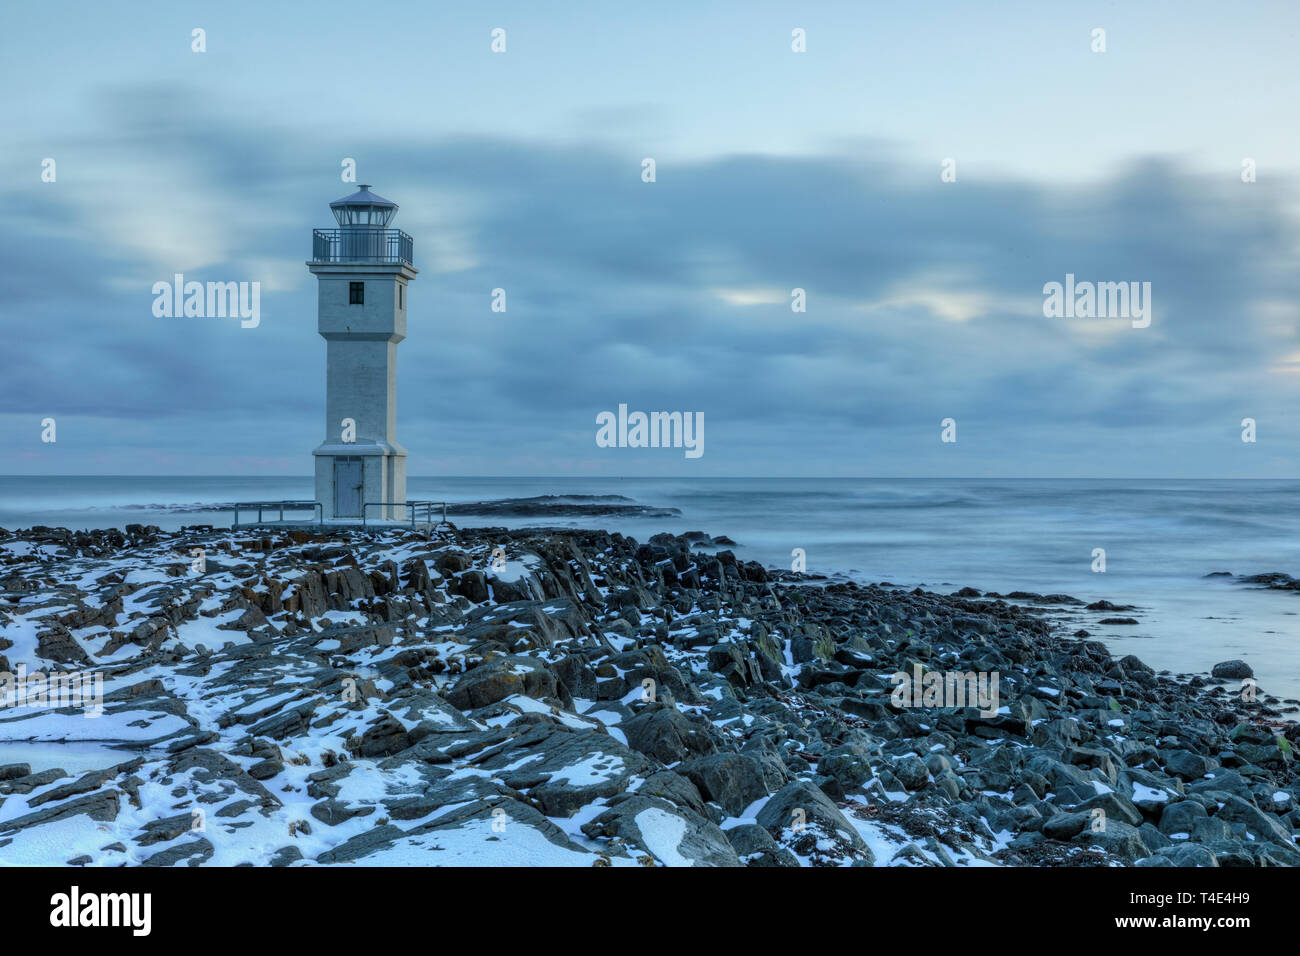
(362, 244)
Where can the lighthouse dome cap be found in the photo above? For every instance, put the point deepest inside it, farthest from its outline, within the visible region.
(363, 208)
(363, 197)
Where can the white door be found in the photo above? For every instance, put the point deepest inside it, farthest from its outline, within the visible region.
(347, 487)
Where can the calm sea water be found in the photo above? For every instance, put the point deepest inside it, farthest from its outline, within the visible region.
(1161, 538)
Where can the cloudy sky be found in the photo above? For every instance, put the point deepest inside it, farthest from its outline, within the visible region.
(776, 170)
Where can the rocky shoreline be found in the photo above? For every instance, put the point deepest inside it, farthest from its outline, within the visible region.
(559, 697)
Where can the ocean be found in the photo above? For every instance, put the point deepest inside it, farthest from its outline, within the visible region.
(1161, 539)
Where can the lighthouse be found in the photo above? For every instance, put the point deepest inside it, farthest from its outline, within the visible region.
(362, 271)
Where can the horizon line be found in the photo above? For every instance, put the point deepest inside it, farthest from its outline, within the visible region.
(308, 477)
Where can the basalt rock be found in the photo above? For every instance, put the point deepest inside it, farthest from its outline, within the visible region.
(679, 705)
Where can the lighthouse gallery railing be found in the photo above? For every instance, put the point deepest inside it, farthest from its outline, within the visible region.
(362, 244)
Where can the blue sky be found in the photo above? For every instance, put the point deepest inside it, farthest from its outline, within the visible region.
(775, 170)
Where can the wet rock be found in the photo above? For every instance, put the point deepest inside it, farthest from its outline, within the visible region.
(755, 847)
(504, 812)
(803, 819)
(848, 766)
(192, 853)
(1065, 826)
(334, 812)
(285, 856)
(1187, 765)
(1258, 825)
(363, 844)
(1116, 838)
(500, 678)
(671, 834)
(668, 735)
(563, 769)
(1187, 855)
(102, 806)
(1232, 670)
(731, 780)
(1182, 817)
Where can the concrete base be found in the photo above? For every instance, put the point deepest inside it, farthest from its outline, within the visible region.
(351, 476)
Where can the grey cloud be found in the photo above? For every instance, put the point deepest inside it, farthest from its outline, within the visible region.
(611, 285)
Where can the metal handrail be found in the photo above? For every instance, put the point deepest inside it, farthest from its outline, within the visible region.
(362, 244)
(316, 506)
(413, 507)
(414, 510)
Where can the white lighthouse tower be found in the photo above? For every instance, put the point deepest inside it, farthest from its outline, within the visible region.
(362, 270)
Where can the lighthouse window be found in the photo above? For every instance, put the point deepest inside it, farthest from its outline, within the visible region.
(356, 293)
(401, 296)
